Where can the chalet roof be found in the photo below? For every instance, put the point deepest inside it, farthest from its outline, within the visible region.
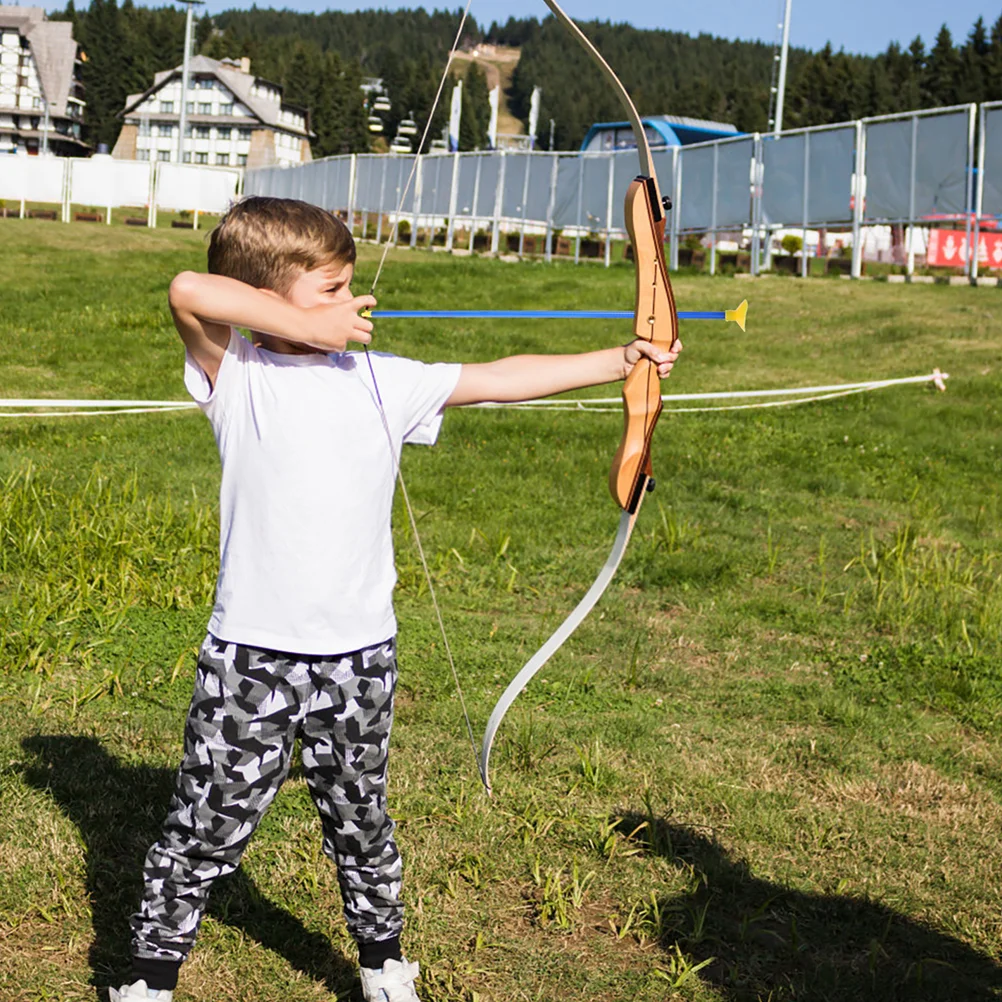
(53, 48)
(237, 82)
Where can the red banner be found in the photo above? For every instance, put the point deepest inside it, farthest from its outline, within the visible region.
(948, 248)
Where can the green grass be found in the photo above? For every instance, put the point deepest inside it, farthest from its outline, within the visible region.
(767, 767)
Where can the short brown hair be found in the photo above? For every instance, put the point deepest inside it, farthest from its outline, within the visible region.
(265, 242)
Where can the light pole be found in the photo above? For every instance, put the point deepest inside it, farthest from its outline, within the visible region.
(783, 58)
(184, 77)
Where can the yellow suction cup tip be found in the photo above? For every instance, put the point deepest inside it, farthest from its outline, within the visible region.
(738, 315)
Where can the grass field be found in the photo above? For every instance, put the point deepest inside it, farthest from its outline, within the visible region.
(768, 766)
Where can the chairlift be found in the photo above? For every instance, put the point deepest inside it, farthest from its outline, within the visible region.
(408, 127)
(381, 103)
(400, 144)
(375, 123)
(438, 146)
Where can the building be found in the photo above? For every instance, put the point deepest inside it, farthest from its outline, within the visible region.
(233, 118)
(41, 97)
(662, 130)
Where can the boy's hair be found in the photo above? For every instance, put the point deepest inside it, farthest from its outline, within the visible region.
(267, 242)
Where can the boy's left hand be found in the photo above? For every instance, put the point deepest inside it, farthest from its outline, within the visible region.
(636, 350)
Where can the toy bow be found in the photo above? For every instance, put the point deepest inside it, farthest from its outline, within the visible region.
(655, 320)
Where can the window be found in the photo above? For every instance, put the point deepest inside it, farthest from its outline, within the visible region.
(201, 158)
(242, 159)
(202, 132)
(204, 83)
(187, 158)
(163, 155)
(189, 108)
(244, 133)
(226, 109)
(142, 154)
(205, 109)
(166, 107)
(223, 159)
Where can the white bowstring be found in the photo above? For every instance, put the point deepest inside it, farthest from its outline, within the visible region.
(382, 410)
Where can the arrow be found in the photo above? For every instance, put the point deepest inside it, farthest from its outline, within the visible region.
(736, 315)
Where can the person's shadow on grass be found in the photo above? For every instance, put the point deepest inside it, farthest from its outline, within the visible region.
(118, 809)
(760, 940)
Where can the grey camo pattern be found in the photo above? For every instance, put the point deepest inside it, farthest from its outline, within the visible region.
(248, 708)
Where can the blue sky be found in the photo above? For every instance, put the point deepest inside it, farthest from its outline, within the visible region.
(864, 26)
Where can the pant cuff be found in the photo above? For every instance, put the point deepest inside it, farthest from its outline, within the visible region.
(160, 975)
(374, 955)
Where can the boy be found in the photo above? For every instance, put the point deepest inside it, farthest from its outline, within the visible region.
(301, 640)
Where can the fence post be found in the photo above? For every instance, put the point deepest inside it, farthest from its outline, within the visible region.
(418, 178)
(610, 191)
(713, 211)
(577, 240)
(676, 202)
(476, 200)
(551, 206)
(807, 192)
(107, 218)
(525, 199)
(453, 197)
(151, 212)
(352, 179)
(66, 186)
(757, 173)
(860, 197)
(972, 252)
(979, 197)
(910, 258)
(498, 204)
(382, 195)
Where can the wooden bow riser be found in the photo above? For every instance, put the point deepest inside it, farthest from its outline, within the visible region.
(655, 321)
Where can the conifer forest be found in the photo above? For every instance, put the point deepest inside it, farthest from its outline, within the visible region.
(321, 60)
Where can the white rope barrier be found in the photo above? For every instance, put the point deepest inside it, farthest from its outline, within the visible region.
(815, 393)
(598, 405)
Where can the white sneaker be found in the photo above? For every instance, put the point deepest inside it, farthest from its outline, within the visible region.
(138, 991)
(394, 983)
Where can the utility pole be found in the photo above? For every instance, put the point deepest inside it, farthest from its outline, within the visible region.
(183, 122)
(784, 56)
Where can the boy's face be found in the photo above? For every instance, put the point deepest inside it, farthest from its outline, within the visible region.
(330, 283)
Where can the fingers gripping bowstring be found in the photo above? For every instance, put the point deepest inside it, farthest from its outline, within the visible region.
(398, 473)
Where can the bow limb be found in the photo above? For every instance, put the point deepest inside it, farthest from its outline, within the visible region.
(626, 522)
(655, 320)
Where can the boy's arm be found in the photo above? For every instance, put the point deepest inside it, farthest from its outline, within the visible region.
(527, 377)
(205, 307)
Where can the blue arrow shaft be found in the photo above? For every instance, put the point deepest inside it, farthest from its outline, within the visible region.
(531, 315)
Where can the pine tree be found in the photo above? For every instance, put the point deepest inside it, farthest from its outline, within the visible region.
(972, 71)
(993, 76)
(943, 70)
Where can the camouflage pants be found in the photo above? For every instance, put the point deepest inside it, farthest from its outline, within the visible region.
(248, 708)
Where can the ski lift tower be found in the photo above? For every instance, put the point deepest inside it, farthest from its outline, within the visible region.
(183, 120)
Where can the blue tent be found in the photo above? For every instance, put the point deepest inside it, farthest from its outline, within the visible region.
(662, 130)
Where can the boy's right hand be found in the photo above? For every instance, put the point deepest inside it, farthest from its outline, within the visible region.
(332, 325)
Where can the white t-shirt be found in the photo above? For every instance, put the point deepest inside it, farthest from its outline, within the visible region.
(305, 546)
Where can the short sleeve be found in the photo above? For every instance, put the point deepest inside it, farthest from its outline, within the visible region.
(198, 384)
(414, 394)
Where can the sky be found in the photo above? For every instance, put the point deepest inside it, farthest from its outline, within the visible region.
(859, 26)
